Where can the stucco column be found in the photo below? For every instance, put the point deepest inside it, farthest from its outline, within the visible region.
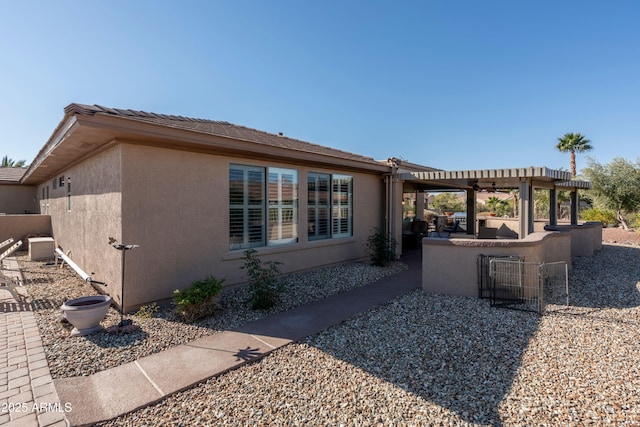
(395, 210)
(553, 207)
(420, 204)
(526, 208)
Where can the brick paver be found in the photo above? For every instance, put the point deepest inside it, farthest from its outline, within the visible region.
(27, 394)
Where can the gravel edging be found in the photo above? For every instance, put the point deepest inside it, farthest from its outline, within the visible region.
(425, 359)
(49, 286)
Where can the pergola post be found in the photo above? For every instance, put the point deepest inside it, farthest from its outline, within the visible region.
(526, 208)
(574, 207)
(471, 212)
(394, 204)
(553, 207)
(420, 204)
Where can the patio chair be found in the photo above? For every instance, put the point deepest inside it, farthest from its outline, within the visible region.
(7, 282)
(6, 242)
(451, 229)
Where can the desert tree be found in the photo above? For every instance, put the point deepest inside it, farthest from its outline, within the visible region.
(616, 186)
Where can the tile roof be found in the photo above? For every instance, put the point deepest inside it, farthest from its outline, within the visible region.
(218, 128)
(8, 174)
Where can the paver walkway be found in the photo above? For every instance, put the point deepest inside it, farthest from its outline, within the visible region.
(122, 389)
(27, 393)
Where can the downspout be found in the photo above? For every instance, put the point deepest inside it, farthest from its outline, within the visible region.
(391, 221)
(387, 208)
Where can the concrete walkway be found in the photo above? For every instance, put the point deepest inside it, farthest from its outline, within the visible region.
(122, 389)
(27, 393)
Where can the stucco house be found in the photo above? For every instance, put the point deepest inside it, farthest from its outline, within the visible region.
(194, 194)
(16, 198)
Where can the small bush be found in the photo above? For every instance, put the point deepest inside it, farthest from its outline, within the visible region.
(381, 248)
(198, 300)
(147, 312)
(607, 218)
(263, 283)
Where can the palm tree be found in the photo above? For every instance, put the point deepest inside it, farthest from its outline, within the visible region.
(573, 142)
(10, 163)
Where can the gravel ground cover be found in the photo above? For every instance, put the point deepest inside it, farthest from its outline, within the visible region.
(49, 286)
(618, 235)
(418, 360)
(448, 361)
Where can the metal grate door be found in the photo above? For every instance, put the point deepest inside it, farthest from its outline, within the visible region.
(526, 285)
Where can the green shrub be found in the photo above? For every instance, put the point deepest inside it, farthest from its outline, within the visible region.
(606, 217)
(198, 300)
(263, 283)
(381, 248)
(147, 312)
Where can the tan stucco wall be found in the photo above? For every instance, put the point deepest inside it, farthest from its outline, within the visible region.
(449, 266)
(585, 238)
(20, 226)
(17, 199)
(94, 216)
(175, 206)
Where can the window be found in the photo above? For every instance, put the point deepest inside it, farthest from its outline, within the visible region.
(283, 209)
(246, 206)
(69, 194)
(318, 205)
(256, 194)
(45, 200)
(342, 208)
(330, 206)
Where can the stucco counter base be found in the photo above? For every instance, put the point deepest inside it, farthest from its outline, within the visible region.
(449, 266)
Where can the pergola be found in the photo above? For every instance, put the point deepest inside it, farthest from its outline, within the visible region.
(525, 180)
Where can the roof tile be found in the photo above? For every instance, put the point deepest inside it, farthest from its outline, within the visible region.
(219, 128)
(11, 174)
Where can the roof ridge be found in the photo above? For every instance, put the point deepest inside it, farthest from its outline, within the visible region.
(90, 110)
(232, 130)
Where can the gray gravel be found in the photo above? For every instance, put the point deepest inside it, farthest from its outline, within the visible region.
(448, 361)
(50, 286)
(445, 361)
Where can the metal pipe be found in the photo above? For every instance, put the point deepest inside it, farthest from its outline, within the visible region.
(76, 268)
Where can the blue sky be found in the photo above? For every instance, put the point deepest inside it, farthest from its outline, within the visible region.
(462, 84)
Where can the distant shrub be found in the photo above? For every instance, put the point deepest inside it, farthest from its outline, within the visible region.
(198, 300)
(607, 218)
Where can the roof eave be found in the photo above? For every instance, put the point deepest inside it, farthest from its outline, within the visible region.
(64, 128)
(146, 133)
